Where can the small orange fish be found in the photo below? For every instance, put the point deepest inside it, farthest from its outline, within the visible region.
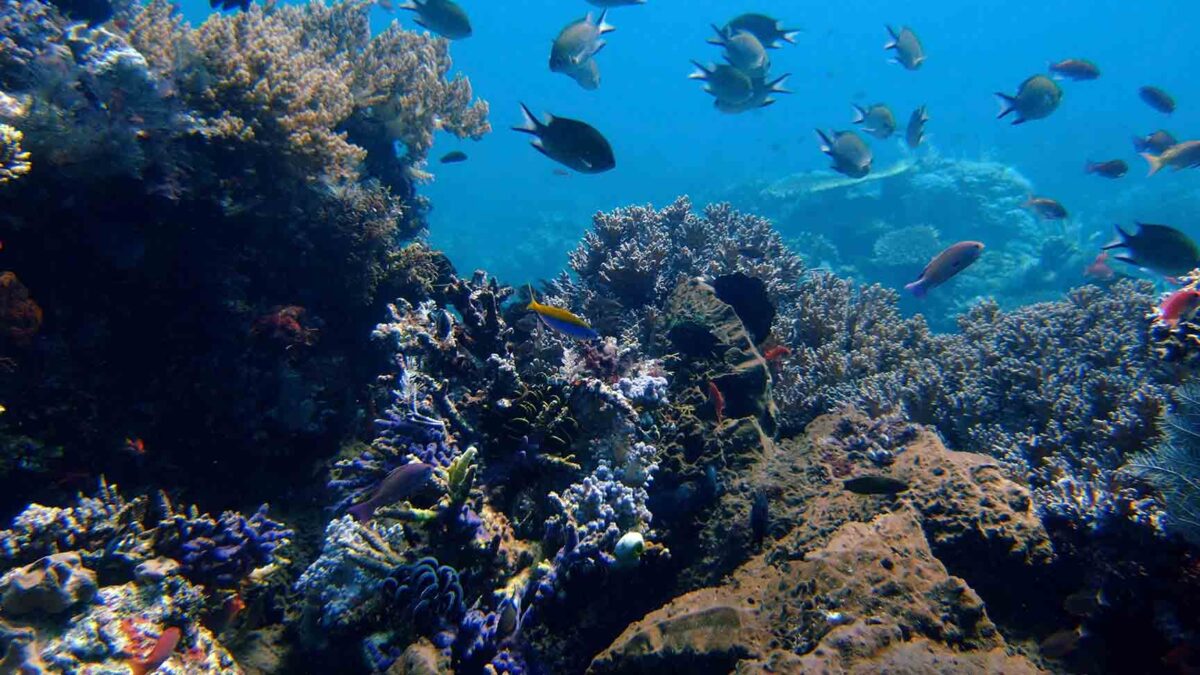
(135, 447)
(776, 353)
(163, 648)
(718, 401)
(1099, 269)
(1179, 306)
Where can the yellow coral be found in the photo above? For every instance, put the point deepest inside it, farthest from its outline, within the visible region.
(14, 162)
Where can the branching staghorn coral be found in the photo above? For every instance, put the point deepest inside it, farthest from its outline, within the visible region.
(295, 76)
(630, 262)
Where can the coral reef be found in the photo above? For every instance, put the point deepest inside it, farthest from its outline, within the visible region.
(49, 585)
(234, 185)
(1173, 469)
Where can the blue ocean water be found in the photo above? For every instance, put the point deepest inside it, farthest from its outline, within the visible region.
(669, 140)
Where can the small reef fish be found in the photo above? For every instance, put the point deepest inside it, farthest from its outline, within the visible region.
(759, 517)
(560, 172)
(1046, 208)
(1036, 98)
(915, 134)
(1179, 306)
(744, 52)
(851, 155)
(453, 157)
(1160, 248)
(1158, 99)
(946, 264)
(909, 52)
(1099, 268)
(723, 81)
(577, 42)
(876, 119)
(167, 641)
(443, 17)
(135, 447)
(1155, 143)
(224, 5)
(400, 483)
(560, 320)
(718, 401)
(1085, 603)
(776, 353)
(768, 30)
(574, 144)
(875, 485)
(1113, 168)
(1074, 69)
(1062, 643)
(760, 95)
(1185, 155)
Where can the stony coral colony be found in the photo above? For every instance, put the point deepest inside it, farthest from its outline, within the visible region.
(673, 493)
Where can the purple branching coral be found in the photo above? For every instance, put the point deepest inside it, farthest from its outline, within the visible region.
(847, 342)
(632, 259)
(1065, 392)
(219, 553)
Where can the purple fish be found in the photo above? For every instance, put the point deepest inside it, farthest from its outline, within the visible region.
(400, 483)
(947, 263)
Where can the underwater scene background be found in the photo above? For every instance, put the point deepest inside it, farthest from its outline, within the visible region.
(713, 378)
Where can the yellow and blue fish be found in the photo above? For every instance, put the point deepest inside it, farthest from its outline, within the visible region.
(561, 320)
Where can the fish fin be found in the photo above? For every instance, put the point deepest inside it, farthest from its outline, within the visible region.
(859, 114)
(917, 288)
(600, 44)
(530, 125)
(1140, 145)
(1089, 166)
(1155, 162)
(603, 26)
(361, 512)
(411, 6)
(1006, 104)
(1127, 259)
(701, 73)
(766, 102)
(1121, 241)
(1019, 120)
(788, 35)
(891, 44)
(722, 36)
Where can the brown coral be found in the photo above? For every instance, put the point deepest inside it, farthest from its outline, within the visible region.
(20, 316)
(296, 75)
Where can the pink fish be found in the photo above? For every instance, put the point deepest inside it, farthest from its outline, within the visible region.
(1099, 269)
(163, 648)
(397, 485)
(1179, 306)
(946, 264)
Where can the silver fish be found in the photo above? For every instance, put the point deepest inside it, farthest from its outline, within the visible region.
(569, 142)
(851, 156)
(744, 52)
(909, 52)
(876, 119)
(726, 83)
(577, 42)
(760, 96)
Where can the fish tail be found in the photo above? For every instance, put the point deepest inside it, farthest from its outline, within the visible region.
(788, 35)
(917, 288)
(721, 38)
(775, 86)
(1089, 166)
(529, 124)
(701, 73)
(891, 44)
(602, 26)
(1140, 145)
(411, 6)
(1121, 241)
(532, 297)
(859, 113)
(1006, 104)
(826, 144)
(1155, 162)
